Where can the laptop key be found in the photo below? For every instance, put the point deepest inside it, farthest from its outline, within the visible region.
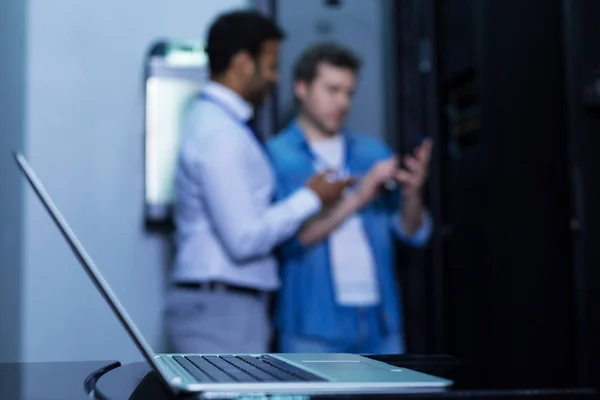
(209, 369)
(300, 373)
(256, 372)
(281, 375)
(230, 369)
(192, 369)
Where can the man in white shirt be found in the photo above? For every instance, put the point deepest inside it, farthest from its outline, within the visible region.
(227, 221)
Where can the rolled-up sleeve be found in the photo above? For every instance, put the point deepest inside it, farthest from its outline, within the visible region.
(421, 237)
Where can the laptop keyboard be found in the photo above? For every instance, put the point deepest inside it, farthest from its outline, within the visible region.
(224, 369)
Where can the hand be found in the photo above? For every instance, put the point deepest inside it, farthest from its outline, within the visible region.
(414, 176)
(328, 190)
(380, 173)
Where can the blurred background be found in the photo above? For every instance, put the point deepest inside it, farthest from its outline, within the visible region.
(92, 93)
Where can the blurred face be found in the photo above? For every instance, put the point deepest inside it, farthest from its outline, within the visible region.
(326, 100)
(261, 75)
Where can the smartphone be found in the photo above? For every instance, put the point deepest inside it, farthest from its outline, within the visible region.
(410, 144)
(174, 73)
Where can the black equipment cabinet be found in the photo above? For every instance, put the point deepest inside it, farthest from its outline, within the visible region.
(514, 186)
(582, 44)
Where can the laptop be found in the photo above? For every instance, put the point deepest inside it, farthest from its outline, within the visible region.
(216, 375)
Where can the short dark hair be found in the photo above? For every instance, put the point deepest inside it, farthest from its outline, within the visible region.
(238, 31)
(305, 68)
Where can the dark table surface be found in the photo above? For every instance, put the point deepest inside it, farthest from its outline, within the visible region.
(47, 380)
(109, 379)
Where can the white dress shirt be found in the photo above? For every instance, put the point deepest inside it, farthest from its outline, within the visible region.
(227, 225)
(351, 259)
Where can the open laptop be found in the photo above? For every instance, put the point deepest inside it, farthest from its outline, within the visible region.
(216, 375)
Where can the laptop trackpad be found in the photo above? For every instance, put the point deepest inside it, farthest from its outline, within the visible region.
(339, 365)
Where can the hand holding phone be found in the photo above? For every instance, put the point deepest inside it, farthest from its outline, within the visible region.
(378, 177)
(415, 169)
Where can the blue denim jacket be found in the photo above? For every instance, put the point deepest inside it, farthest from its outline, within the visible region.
(306, 304)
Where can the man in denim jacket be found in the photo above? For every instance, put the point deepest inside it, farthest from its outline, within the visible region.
(339, 292)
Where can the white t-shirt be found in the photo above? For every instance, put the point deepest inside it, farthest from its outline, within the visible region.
(352, 262)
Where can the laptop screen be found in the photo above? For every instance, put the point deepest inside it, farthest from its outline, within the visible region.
(86, 262)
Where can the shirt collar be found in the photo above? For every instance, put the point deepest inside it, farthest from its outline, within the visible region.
(229, 98)
(297, 135)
